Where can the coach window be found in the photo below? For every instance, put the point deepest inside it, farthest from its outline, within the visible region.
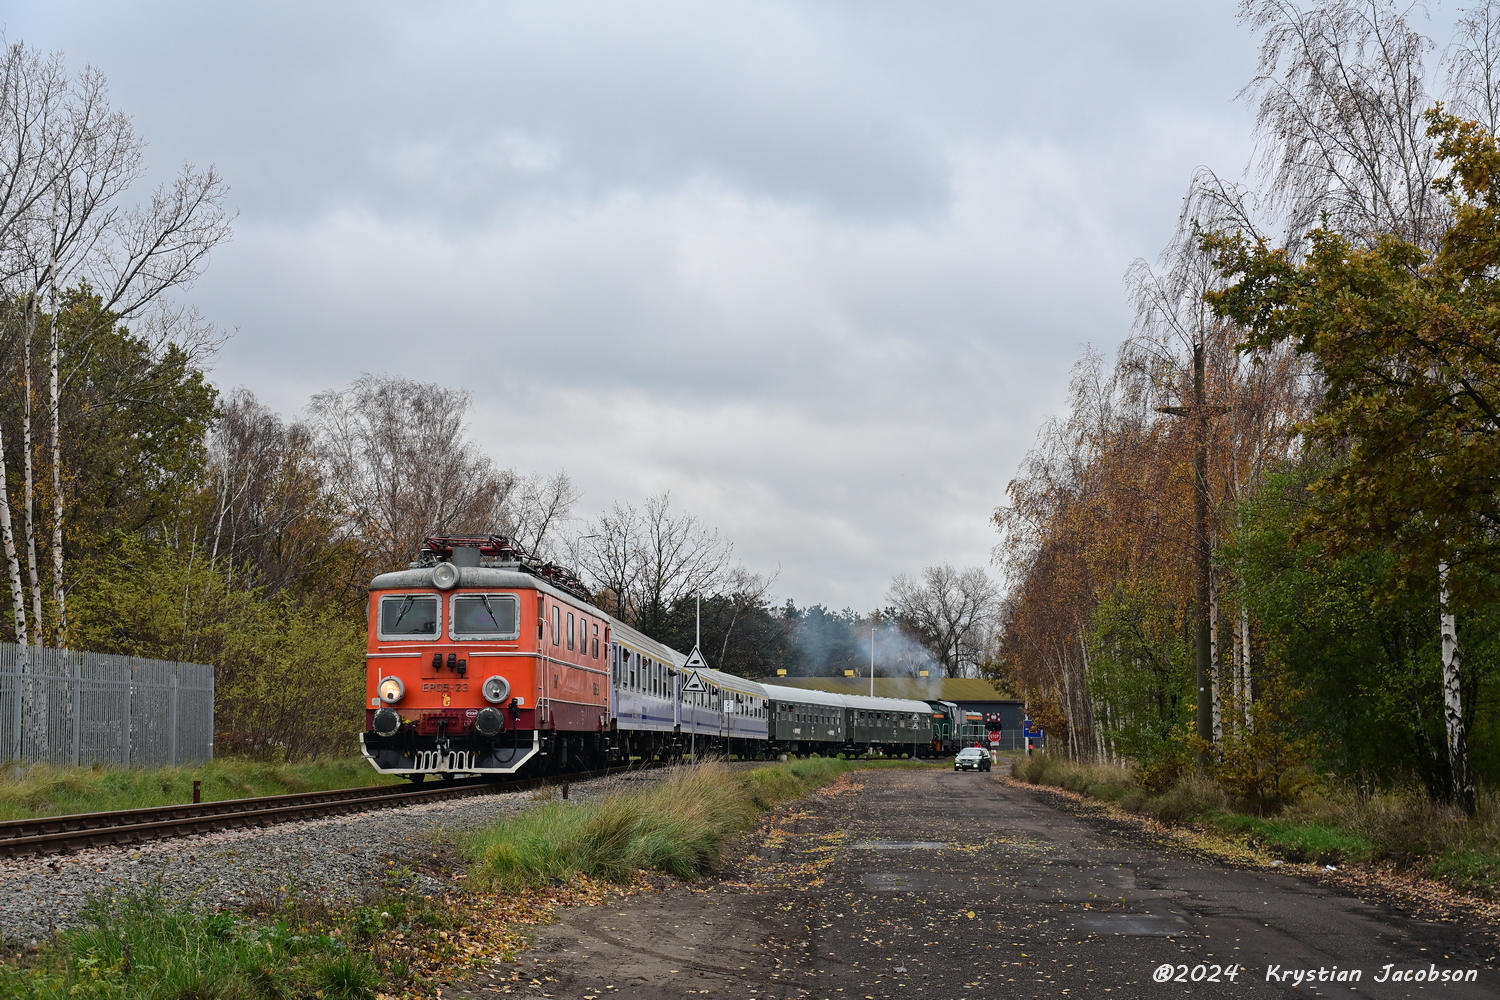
(570, 630)
(489, 616)
(409, 616)
(556, 625)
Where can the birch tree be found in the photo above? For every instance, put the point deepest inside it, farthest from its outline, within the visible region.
(1405, 344)
(1345, 147)
(70, 159)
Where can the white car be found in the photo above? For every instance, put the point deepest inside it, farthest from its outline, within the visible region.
(972, 759)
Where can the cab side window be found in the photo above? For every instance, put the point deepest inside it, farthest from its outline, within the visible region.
(556, 625)
(570, 630)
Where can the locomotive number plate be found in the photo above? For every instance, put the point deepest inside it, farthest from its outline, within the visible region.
(456, 687)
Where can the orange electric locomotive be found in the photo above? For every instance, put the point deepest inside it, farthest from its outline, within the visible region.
(483, 661)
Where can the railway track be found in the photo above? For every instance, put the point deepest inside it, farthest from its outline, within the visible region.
(65, 834)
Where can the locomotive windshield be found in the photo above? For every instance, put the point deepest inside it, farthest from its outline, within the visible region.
(490, 615)
(408, 615)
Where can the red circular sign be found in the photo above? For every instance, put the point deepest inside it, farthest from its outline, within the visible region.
(994, 736)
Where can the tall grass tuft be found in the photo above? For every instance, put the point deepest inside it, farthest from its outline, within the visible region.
(678, 827)
(1101, 781)
(141, 949)
(1402, 824)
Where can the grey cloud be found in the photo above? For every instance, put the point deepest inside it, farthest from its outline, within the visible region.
(820, 269)
(470, 110)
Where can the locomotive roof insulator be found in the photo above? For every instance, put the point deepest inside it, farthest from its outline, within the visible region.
(462, 551)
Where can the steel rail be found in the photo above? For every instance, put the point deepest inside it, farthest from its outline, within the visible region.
(80, 831)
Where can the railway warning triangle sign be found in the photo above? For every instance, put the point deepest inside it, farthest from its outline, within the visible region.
(695, 660)
(693, 682)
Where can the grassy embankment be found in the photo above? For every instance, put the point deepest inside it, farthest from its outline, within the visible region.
(1331, 826)
(145, 950)
(677, 827)
(41, 790)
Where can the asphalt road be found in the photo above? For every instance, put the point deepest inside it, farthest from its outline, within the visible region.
(944, 886)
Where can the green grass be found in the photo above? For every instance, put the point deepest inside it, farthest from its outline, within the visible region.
(1313, 843)
(41, 790)
(1470, 870)
(137, 947)
(678, 827)
(141, 949)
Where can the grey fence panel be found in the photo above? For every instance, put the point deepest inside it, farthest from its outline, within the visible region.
(150, 714)
(65, 707)
(10, 703)
(195, 712)
(104, 723)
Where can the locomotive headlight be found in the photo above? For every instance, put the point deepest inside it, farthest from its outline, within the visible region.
(444, 575)
(496, 689)
(391, 690)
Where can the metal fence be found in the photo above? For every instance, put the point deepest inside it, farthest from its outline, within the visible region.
(66, 707)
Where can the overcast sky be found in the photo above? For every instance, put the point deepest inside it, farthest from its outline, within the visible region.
(818, 269)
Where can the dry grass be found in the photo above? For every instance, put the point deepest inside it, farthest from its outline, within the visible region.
(678, 827)
(1335, 825)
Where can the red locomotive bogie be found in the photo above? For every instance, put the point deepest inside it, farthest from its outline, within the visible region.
(477, 668)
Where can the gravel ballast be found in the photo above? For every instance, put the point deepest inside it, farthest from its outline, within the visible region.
(336, 860)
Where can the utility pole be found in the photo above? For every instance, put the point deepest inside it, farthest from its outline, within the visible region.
(872, 661)
(1200, 411)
